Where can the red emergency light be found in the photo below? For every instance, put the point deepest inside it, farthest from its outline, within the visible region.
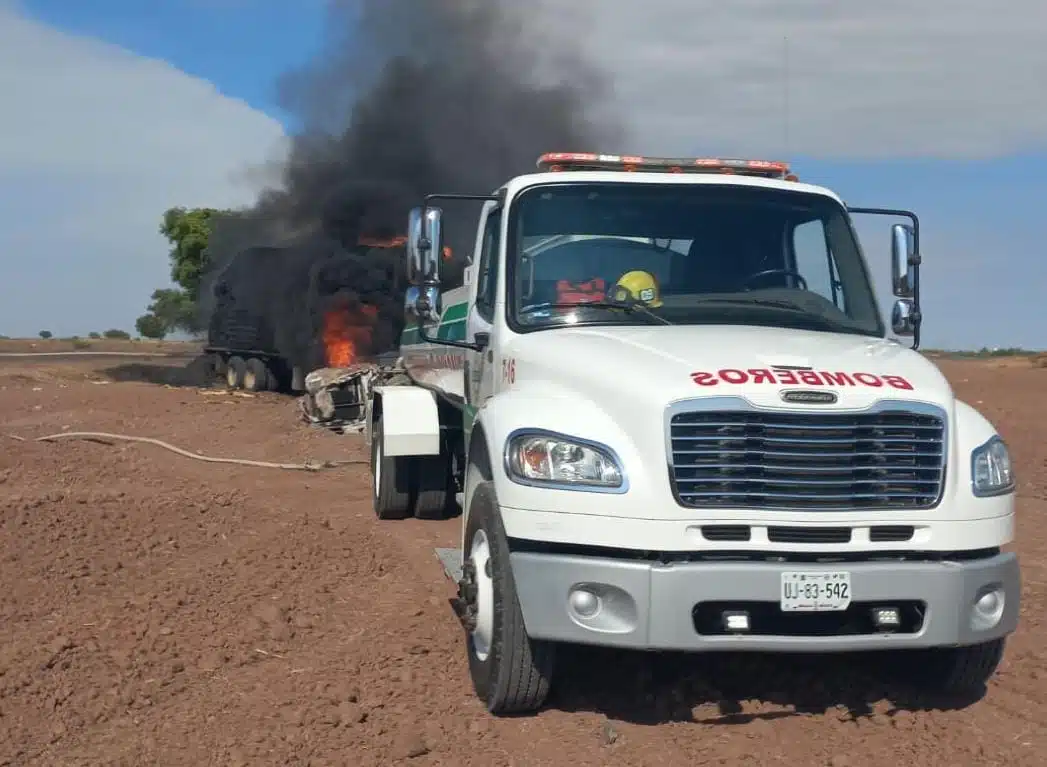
(564, 161)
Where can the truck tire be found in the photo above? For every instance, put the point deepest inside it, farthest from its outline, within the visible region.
(219, 365)
(390, 479)
(256, 375)
(958, 670)
(235, 370)
(280, 377)
(274, 376)
(433, 478)
(511, 672)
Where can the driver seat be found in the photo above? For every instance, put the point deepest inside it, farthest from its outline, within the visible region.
(712, 266)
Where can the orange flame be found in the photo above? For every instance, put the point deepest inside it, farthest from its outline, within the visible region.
(378, 242)
(396, 242)
(347, 334)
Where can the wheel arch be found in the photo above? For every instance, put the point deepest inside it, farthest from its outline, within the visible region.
(477, 469)
(410, 420)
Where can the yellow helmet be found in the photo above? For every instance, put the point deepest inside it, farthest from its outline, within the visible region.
(639, 286)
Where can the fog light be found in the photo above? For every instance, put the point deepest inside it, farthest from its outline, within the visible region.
(886, 618)
(584, 603)
(988, 609)
(736, 622)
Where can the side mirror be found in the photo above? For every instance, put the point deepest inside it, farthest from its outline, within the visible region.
(903, 321)
(414, 256)
(424, 246)
(903, 275)
(424, 251)
(431, 245)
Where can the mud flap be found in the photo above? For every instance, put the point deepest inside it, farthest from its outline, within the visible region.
(451, 559)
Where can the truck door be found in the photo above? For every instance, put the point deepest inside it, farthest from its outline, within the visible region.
(480, 366)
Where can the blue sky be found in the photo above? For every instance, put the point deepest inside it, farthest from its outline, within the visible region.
(242, 46)
(123, 108)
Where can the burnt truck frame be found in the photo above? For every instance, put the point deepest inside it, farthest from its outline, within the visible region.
(242, 353)
(241, 338)
(241, 335)
(255, 370)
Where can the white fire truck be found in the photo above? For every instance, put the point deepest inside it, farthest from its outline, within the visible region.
(672, 414)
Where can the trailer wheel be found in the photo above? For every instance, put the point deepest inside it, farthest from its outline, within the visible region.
(274, 377)
(958, 670)
(511, 672)
(218, 365)
(235, 371)
(390, 479)
(256, 375)
(280, 378)
(433, 478)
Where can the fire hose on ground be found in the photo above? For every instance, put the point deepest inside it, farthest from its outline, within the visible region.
(106, 438)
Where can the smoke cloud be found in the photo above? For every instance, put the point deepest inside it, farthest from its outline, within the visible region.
(408, 97)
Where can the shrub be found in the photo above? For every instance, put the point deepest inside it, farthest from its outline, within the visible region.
(150, 326)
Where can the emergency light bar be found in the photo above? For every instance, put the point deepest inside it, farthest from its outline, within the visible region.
(564, 161)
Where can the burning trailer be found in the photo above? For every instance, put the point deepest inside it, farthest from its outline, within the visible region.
(330, 348)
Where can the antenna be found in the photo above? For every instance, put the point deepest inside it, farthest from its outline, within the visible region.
(785, 95)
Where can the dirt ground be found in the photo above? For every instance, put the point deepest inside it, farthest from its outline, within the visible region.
(160, 610)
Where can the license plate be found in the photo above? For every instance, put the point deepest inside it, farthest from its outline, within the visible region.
(815, 591)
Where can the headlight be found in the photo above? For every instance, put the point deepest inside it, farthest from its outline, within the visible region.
(555, 460)
(991, 471)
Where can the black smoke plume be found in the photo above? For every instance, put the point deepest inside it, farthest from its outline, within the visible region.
(409, 97)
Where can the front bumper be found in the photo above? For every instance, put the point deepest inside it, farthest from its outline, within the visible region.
(653, 606)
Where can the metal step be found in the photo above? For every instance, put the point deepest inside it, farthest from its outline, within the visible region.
(451, 559)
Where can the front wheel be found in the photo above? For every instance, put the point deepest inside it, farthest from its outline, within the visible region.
(959, 670)
(511, 672)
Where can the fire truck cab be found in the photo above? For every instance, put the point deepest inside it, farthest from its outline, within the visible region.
(674, 418)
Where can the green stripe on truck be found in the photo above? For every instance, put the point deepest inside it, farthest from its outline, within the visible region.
(451, 327)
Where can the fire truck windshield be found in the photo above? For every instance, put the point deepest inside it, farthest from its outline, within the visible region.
(692, 254)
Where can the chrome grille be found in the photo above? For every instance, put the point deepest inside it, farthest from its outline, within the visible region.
(884, 458)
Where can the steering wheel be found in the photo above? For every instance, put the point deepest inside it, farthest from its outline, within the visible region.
(800, 281)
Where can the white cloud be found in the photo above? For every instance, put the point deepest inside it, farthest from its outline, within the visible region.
(942, 78)
(97, 142)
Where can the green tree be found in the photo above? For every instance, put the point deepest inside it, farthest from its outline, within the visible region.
(45, 334)
(119, 335)
(188, 230)
(151, 326)
(174, 309)
(94, 334)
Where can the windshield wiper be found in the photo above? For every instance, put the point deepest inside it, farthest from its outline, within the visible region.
(776, 303)
(786, 306)
(629, 307)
